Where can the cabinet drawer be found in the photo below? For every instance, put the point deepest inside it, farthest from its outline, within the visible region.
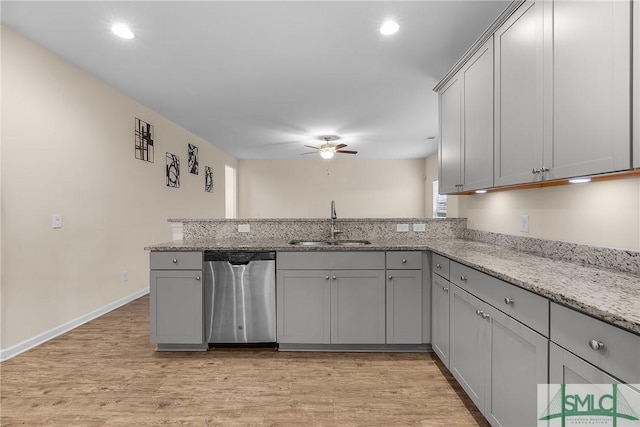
(406, 260)
(440, 265)
(314, 260)
(524, 306)
(176, 260)
(620, 353)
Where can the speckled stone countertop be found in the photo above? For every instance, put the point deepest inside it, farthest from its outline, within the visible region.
(607, 294)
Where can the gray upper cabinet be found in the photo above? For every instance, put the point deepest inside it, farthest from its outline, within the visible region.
(588, 76)
(303, 304)
(478, 120)
(518, 95)
(358, 307)
(636, 84)
(466, 125)
(450, 152)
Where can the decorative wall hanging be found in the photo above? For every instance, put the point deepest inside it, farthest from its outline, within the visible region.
(193, 159)
(173, 170)
(143, 140)
(208, 179)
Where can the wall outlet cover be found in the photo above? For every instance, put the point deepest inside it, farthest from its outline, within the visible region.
(419, 227)
(524, 223)
(56, 221)
(244, 228)
(402, 228)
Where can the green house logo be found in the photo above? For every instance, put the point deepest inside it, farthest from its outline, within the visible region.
(589, 404)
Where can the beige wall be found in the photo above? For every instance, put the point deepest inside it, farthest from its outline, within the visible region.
(304, 188)
(598, 213)
(67, 148)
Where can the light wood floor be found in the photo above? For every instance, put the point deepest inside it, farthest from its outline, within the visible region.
(106, 373)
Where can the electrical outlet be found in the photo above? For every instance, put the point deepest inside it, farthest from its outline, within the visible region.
(402, 228)
(419, 227)
(125, 276)
(244, 228)
(524, 223)
(56, 221)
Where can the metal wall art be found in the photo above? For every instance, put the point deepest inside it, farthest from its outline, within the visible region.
(208, 179)
(173, 170)
(143, 140)
(193, 159)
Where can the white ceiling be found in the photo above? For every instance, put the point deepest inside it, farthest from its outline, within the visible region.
(260, 79)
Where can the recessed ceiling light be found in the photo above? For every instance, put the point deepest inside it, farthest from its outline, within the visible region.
(389, 28)
(122, 30)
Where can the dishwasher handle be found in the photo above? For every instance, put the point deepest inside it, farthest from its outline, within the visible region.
(238, 258)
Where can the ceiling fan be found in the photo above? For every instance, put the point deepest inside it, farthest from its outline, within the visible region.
(327, 150)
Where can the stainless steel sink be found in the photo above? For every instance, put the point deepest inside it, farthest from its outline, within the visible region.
(329, 242)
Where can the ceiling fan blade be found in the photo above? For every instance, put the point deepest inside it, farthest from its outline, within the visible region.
(311, 152)
(346, 152)
(339, 146)
(310, 146)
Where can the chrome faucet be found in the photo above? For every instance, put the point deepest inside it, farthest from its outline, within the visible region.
(334, 216)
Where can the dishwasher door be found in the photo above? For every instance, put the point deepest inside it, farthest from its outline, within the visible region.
(240, 297)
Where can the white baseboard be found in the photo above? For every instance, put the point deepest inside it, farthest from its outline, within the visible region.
(8, 353)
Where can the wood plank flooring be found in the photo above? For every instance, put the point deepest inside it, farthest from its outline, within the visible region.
(106, 373)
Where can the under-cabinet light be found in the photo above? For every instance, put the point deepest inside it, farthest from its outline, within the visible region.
(580, 180)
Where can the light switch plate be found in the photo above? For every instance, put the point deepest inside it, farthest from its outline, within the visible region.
(56, 221)
(244, 228)
(419, 227)
(402, 228)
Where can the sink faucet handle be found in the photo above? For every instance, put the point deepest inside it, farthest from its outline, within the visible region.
(333, 210)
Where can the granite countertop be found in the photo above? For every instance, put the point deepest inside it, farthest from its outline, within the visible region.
(609, 295)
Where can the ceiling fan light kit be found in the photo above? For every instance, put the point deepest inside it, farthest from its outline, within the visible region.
(328, 150)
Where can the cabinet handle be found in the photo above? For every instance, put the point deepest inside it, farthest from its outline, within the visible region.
(445, 289)
(438, 266)
(596, 345)
(535, 171)
(334, 277)
(544, 169)
(463, 278)
(197, 277)
(404, 260)
(390, 277)
(484, 315)
(478, 311)
(508, 301)
(326, 277)
(175, 261)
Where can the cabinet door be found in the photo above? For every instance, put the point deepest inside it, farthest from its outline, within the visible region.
(440, 318)
(518, 363)
(566, 368)
(477, 111)
(636, 84)
(176, 300)
(589, 64)
(404, 307)
(518, 96)
(358, 307)
(450, 152)
(469, 343)
(303, 306)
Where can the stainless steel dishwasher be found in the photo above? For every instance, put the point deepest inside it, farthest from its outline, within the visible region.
(240, 297)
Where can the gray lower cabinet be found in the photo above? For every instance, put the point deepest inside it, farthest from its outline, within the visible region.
(497, 360)
(176, 300)
(358, 307)
(303, 306)
(440, 317)
(404, 306)
(567, 368)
